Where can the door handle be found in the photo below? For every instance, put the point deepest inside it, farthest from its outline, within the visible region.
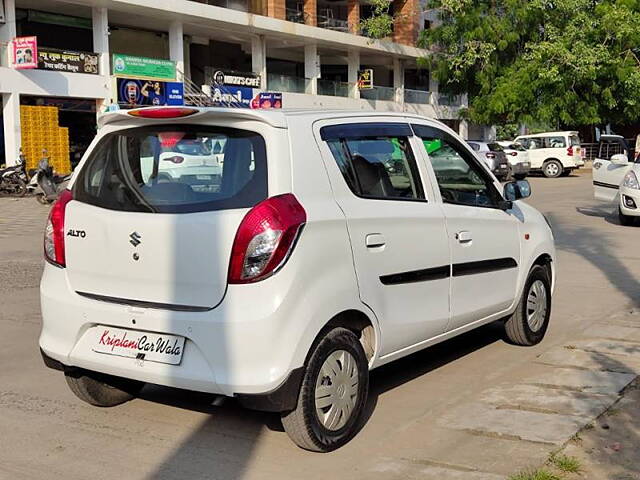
(374, 240)
(464, 236)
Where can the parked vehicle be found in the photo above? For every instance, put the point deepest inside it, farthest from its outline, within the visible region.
(553, 153)
(12, 180)
(46, 185)
(493, 155)
(616, 175)
(518, 158)
(337, 242)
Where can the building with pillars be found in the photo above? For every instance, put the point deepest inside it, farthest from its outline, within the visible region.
(310, 50)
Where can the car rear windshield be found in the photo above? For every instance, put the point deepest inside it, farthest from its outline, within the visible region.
(575, 140)
(175, 169)
(495, 147)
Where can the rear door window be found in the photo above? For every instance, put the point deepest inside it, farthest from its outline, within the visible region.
(555, 142)
(175, 169)
(575, 140)
(495, 147)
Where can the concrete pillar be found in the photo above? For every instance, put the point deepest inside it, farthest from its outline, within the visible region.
(259, 59)
(11, 126)
(100, 17)
(463, 129)
(311, 68)
(353, 16)
(310, 8)
(176, 47)
(187, 56)
(398, 80)
(352, 73)
(8, 29)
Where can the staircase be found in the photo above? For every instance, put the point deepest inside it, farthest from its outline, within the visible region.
(193, 94)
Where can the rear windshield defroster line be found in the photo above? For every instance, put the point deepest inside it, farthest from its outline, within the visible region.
(175, 169)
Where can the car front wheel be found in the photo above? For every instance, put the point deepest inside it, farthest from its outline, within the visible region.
(332, 395)
(528, 324)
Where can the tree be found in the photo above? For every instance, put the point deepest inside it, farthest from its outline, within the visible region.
(553, 61)
(571, 62)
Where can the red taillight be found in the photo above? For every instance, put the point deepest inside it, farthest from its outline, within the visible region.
(570, 151)
(163, 112)
(177, 159)
(54, 231)
(265, 238)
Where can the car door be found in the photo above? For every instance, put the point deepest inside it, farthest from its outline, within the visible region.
(397, 232)
(484, 238)
(608, 176)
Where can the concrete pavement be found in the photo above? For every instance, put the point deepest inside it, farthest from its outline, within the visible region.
(473, 408)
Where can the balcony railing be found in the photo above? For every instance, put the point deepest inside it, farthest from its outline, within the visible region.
(417, 96)
(379, 93)
(285, 83)
(449, 100)
(334, 89)
(327, 19)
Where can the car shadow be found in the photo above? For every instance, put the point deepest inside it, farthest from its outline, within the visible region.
(607, 213)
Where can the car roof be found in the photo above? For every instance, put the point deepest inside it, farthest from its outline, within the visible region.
(278, 118)
(549, 134)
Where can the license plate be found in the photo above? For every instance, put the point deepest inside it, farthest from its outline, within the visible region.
(203, 177)
(503, 165)
(155, 347)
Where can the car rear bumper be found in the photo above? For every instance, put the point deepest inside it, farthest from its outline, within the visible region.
(234, 350)
(520, 168)
(630, 201)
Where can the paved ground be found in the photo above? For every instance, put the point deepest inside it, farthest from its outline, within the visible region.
(471, 408)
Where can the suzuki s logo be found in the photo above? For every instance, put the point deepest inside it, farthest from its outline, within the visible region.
(136, 239)
(76, 233)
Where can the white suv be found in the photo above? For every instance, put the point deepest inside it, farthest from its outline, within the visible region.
(553, 153)
(335, 243)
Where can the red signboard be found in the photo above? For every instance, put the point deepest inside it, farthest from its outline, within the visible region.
(25, 52)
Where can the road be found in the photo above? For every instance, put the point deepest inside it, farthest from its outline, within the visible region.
(435, 414)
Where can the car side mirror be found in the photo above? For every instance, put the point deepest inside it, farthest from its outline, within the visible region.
(517, 190)
(619, 159)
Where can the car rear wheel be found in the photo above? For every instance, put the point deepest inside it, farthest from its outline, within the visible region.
(102, 390)
(552, 169)
(528, 324)
(332, 395)
(625, 220)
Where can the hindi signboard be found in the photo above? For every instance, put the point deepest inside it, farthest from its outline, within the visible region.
(365, 79)
(24, 52)
(67, 61)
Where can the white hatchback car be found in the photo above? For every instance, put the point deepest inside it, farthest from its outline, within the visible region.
(553, 153)
(616, 177)
(336, 242)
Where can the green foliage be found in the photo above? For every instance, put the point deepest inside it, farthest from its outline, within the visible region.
(534, 475)
(572, 62)
(380, 23)
(565, 463)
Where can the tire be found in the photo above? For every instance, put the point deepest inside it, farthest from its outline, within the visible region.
(304, 424)
(102, 390)
(21, 188)
(552, 169)
(525, 327)
(41, 199)
(625, 220)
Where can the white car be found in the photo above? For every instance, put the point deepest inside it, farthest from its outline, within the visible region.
(616, 177)
(518, 158)
(553, 153)
(333, 246)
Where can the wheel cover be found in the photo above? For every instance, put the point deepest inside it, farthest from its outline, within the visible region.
(336, 390)
(552, 169)
(536, 305)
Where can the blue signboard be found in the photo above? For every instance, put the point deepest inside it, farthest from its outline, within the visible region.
(231, 96)
(136, 93)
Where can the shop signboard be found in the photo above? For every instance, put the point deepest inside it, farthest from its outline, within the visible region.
(132, 92)
(67, 61)
(143, 67)
(234, 78)
(365, 79)
(232, 97)
(24, 52)
(267, 100)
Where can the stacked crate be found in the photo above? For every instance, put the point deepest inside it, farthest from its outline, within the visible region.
(40, 131)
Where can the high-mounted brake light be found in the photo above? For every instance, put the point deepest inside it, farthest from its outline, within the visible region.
(570, 151)
(163, 112)
(54, 231)
(265, 238)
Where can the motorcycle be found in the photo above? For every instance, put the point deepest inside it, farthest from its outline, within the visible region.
(46, 185)
(13, 180)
